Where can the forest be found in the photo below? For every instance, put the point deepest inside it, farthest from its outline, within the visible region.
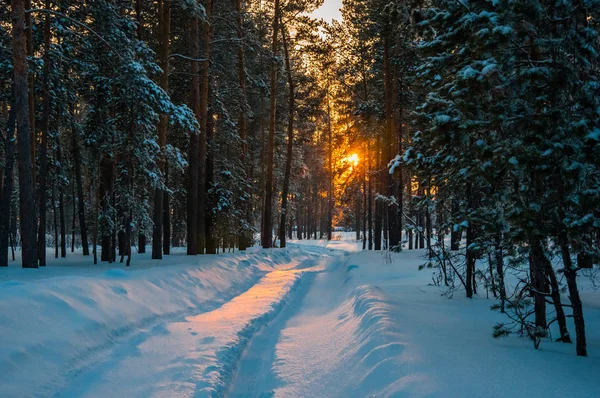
(467, 128)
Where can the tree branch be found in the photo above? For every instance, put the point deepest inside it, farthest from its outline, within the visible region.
(76, 22)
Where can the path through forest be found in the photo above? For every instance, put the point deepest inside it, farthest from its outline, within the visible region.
(318, 319)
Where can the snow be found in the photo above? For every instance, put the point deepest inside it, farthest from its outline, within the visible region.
(60, 322)
(318, 319)
(442, 119)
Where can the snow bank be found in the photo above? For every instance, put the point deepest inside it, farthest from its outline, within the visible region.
(372, 328)
(54, 328)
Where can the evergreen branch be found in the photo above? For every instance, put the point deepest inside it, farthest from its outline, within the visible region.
(76, 22)
(188, 58)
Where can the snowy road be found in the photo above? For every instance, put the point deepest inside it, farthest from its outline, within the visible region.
(195, 356)
(315, 320)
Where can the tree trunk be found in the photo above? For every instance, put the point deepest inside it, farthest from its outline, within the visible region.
(166, 216)
(7, 188)
(357, 208)
(27, 212)
(378, 206)
(55, 221)
(537, 258)
(400, 178)
(571, 278)
(211, 239)
(428, 225)
(364, 204)
(204, 95)
(470, 255)
(499, 258)
(245, 234)
(290, 137)
(73, 214)
(581, 344)
(390, 115)
(455, 233)
(421, 217)
(95, 233)
(106, 193)
(140, 35)
(370, 196)
(267, 228)
(164, 18)
(330, 198)
(31, 94)
(61, 208)
(194, 155)
(43, 189)
(80, 198)
(556, 299)
(141, 243)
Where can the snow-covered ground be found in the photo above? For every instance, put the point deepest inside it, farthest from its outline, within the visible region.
(319, 319)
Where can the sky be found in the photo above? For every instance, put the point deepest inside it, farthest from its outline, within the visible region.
(329, 10)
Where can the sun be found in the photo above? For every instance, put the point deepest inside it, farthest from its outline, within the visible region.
(352, 160)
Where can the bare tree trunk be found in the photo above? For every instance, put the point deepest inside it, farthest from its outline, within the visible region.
(80, 198)
(357, 208)
(499, 256)
(164, 18)
(245, 237)
(129, 220)
(378, 206)
(428, 224)
(55, 223)
(7, 187)
(27, 212)
(290, 137)
(556, 299)
(166, 216)
(73, 214)
(470, 255)
(194, 155)
(31, 94)
(330, 198)
(204, 114)
(571, 278)
(43, 189)
(364, 202)
(267, 229)
(536, 263)
(455, 233)
(95, 234)
(61, 208)
(211, 238)
(106, 190)
(400, 178)
(411, 209)
(140, 35)
(421, 217)
(370, 196)
(392, 230)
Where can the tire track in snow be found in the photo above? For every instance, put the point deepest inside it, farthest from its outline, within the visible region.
(90, 359)
(254, 376)
(95, 356)
(195, 356)
(231, 356)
